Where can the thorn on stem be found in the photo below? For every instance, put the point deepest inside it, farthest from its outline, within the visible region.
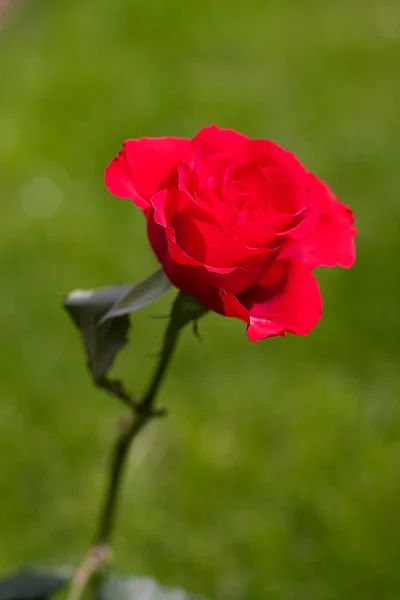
(196, 330)
(145, 408)
(160, 412)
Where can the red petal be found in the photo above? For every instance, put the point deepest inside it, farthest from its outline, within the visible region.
(193, 279)
(215, 247)
(289, 210)
(164, 204)
(175, 208)
(203, 193)
(245, 176)
(296, 226)
(287, 301)
(255, 235)
(288, 195)
(332, 241)
(213, 165)
(167, 205)
(118, 180)
(234, 279)
(199, 240)
(215, 259)
(212, 140)
(291, 304)
(231, 307)
(157, 237)
(269, 154)
(144, 167)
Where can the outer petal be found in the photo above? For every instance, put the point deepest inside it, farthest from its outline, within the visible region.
(286, 301)
(213, 140)
(118, 180)
(187, 274)
(332, 241)
(157, 236)
(269, 154)
(193, 280)
(144, 167)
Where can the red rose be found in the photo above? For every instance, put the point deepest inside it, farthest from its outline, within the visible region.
(237, 223)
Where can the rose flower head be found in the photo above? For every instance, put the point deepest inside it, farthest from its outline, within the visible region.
(237, 223)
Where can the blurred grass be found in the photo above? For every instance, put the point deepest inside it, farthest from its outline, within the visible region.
(276, 475)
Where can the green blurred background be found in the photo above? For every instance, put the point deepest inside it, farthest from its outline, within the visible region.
(277, 474)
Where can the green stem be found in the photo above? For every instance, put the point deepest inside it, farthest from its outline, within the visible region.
(132, 425)
(185, 310)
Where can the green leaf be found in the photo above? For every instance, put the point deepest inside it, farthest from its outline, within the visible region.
(102, 317)
(32, 585)
(140, 588)
(101, 342)
(139, 295)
